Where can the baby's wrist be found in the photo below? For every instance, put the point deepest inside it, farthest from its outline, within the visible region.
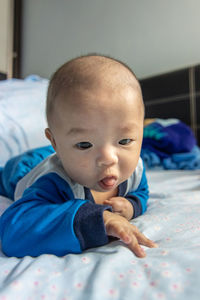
(107, 215)
(129, 211)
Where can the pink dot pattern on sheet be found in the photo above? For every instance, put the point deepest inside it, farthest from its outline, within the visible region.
(166, 273)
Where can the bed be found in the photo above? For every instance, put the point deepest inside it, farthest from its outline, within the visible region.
(171, 271)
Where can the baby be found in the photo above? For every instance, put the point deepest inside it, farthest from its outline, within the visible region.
(95, 181)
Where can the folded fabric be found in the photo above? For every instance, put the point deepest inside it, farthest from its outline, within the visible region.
(183, 161)
(177, 161)
(150, 158)
(165, 137)
(22, 115)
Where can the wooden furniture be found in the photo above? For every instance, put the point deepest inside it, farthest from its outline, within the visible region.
(10, 28)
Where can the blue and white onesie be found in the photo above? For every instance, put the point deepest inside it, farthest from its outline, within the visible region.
(52, 214)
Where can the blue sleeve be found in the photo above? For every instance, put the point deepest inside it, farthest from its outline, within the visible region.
(49, 220)
(18, 166)
(140, 196)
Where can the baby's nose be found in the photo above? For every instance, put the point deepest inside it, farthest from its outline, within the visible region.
(107, 157)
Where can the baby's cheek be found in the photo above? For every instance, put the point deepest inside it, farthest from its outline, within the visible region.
(128, 169)
(85, 164)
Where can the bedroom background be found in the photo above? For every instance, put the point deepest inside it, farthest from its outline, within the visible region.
(157, 39)
(160, 41)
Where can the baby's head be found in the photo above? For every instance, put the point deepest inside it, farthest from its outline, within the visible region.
(95, 115)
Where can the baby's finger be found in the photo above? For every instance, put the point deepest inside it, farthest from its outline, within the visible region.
(143, 240)
(135, 248)
(115, 206)
(107, 202)
(132, 243)
(126, 238)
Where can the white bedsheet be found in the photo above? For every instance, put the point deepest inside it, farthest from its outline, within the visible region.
(171, 271)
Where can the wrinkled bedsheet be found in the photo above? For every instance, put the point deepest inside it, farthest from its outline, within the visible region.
(171, 271)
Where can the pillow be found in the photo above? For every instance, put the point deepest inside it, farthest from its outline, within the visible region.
(22, 116)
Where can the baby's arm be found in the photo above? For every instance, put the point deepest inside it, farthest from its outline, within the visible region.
(119, 227)
(49, 220)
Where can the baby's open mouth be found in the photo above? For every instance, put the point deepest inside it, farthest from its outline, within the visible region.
(108, 182)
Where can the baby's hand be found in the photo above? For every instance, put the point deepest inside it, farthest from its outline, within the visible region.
(119, 227)
(121, 206)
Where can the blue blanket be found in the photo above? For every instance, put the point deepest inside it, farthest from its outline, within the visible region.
(170, 144)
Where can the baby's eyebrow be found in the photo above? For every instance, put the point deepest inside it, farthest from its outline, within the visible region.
(128, 128)
(78, 130)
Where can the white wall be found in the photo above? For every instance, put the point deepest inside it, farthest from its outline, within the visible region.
(152, 36)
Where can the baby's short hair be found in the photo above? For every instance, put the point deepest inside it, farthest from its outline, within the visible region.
(83, 72)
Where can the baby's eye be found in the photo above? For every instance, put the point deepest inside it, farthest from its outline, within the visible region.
(125, 141)
(83, 145)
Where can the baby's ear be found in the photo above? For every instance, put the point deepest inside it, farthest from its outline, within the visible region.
(50, 137)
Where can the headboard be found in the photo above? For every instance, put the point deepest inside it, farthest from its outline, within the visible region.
(174, 95)
(171, 95)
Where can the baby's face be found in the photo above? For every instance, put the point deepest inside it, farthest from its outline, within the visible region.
(98, 136)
